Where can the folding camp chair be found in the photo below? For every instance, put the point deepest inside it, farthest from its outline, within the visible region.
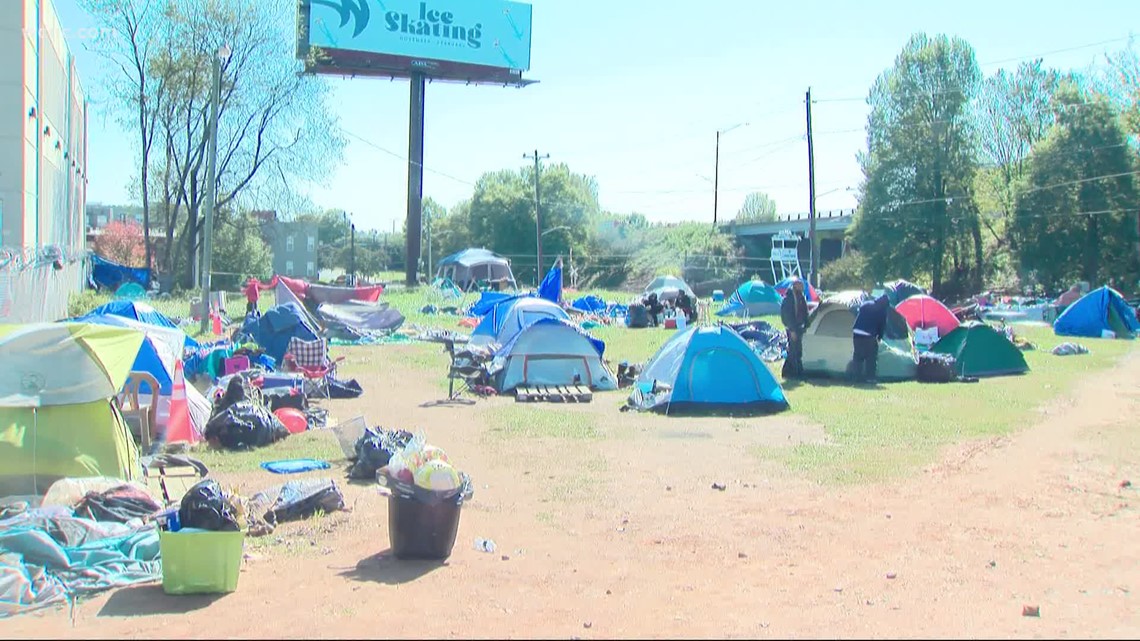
(311, 360)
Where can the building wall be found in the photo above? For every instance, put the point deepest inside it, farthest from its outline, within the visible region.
(301, 259)
(43, 131)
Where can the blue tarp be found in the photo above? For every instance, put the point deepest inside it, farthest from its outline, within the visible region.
(551, 286)
(1090, 316)
(273, 329)
(489, 300)
(591, 304)
(111, 275)
(49, 557)
(706, 369)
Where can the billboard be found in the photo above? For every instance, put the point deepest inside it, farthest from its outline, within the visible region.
(423, 34)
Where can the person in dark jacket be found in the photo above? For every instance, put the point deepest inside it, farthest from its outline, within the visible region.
(655, 309)
(794, 314)
(870, 323)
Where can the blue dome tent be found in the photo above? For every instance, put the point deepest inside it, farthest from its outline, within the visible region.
(552, 352)
(1098, 311)
(705, 370)
(508, 318)
(135, 310)
(754, 298)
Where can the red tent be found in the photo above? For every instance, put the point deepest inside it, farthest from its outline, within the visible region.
(924, 312)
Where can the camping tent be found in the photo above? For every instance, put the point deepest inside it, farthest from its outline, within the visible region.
(811, 293)
(754, 298)
(707, 369)
(899, 290)
(923, 312)
(667, 288)
(57, 418)
(161, 347)
(981, 350)
(136, 310)
(850, 297)
(551, 352)
(469, 266)
(1098, 311)
(828, 344)
(273, 329)
(509, 318)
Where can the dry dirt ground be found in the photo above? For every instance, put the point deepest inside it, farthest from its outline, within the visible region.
(621, 534)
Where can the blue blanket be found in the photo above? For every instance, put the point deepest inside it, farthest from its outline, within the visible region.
(50, 557)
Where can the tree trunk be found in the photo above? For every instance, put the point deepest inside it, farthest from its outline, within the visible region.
(1092, 250)
(979, 262)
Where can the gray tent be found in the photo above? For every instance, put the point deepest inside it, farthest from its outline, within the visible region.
(828, 346)
(470, 266)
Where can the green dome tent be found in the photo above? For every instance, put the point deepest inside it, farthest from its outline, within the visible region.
(57, 416)
(981, 350)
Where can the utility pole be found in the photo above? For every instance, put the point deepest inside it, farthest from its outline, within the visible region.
(813, 241)
(716, 178)
(352, 254)
(211, 180)
(427, 228)
(415, 179)
(537, 212)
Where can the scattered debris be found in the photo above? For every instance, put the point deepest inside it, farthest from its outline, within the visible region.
(485, 545)
(741, 555)
(992, 564)
(1030, 611)
(869, 602)
(608, 592)
(587, 625)
(719, 486)
(838, 588)
(1125, 484)
(668, 488)
(891, 575)
(506, 558)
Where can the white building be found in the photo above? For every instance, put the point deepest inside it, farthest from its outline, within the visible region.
(43, 131)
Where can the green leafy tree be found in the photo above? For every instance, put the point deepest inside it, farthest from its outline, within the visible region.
(239, 252)
(917, 214)
(758, 207)
(332, 237)
(1076, 210)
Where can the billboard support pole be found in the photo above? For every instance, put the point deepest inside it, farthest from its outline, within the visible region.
(415, 179)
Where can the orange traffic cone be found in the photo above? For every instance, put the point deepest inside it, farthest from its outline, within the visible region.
(178, 427)
(217, 325)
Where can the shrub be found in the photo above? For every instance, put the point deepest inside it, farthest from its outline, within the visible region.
(848, 272)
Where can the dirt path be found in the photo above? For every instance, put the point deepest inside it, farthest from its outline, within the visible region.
(623, 536)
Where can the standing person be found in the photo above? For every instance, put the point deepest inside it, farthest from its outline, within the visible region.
(794, 313)
(870, 323)
(252, 293)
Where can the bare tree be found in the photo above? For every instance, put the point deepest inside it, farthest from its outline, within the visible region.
(135, 93)
(274, 124)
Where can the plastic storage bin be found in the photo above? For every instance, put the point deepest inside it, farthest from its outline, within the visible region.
(200, 562)
(420, 530)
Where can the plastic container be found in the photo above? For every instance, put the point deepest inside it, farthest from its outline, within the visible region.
(718, 295)
(420, 530)
(200, 562)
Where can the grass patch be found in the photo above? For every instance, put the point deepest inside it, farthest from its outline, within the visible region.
(318, 444)
(541, 420)
(881, 433)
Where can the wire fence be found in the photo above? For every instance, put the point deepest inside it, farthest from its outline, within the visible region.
(36, 284)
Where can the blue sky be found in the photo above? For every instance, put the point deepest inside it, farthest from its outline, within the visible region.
(633, 92)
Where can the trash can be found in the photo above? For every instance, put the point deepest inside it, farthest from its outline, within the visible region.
(200, 562)
(421, 530)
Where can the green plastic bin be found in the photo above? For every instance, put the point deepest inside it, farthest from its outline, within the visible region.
(200, 562)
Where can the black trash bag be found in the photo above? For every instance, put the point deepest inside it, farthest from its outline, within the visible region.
(344, 389)
(297, 500)
(296, 401)
(374, 449)
(245, 425)
(205, 507)
(637, 315)
(235, 393)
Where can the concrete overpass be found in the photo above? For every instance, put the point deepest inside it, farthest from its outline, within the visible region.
(831, 227)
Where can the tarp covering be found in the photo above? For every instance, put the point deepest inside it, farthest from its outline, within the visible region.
(111, 275)
(754, 298)
(591, 304)
(362, 317)
(276, 326)
(318, 294)
(1100, 310)
(284, 296)
(980, 350)
(489, 300)
(50, 557)
(139, 311)
(707, 369)
(551, 286)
